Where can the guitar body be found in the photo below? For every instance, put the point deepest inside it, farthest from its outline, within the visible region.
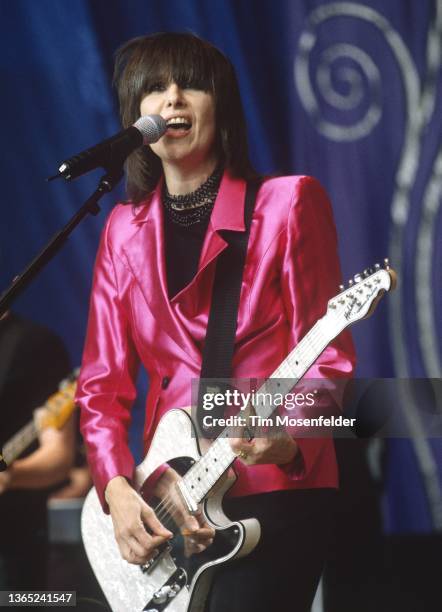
(136, 588)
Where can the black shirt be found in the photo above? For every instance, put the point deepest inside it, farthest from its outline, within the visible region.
(183, 249)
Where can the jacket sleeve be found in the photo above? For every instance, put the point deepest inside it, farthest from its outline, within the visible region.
(106, 385)
(310, 277)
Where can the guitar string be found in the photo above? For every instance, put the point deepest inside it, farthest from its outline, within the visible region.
(163, 509)
(303, 349)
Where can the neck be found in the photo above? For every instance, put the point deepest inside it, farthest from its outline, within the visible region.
(181, 179)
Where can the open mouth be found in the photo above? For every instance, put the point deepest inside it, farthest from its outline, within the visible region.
(178, 123)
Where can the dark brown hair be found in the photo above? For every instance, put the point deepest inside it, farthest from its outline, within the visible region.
(186, 60)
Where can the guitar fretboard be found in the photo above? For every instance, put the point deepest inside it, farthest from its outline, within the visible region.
(19, 441)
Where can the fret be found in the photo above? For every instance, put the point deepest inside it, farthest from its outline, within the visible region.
(206, 472)
(342, 310)
(19, 441)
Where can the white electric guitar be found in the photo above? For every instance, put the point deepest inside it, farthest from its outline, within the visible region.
(170, 581)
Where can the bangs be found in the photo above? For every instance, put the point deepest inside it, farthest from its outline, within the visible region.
(186, 65)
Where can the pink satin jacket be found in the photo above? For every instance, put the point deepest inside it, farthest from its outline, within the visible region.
(291, 271)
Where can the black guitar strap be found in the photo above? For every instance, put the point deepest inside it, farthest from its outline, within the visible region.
(221, 328)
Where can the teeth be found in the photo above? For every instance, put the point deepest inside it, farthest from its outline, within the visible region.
(178, 120)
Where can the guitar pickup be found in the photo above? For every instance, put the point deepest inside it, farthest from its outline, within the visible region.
(161, 550)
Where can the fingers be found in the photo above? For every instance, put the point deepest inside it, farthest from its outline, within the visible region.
(198, 534)
(278, 450)
(190, 523)
(137, 546)
(130, 514)
(137, 551)
(246, 451)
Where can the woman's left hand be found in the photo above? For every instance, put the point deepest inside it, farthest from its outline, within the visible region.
(278, 449)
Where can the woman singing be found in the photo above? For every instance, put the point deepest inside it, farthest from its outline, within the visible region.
(150, 303)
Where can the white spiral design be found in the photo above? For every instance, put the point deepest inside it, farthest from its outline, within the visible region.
(354, 79)
(420, 104)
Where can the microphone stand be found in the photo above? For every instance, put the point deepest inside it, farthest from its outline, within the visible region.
(20, 282)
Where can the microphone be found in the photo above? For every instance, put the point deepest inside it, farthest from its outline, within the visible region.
(111, 153)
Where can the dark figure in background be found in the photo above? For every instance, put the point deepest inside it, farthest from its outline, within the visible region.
(33, 361)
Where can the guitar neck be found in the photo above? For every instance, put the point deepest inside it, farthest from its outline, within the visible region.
(19, 442)
(204, 474)
(297, 362)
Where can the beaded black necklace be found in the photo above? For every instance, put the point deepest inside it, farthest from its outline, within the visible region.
(191, 208)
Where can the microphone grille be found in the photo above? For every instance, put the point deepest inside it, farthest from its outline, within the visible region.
(152, 127)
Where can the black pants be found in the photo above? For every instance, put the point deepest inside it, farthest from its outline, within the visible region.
(283, 571)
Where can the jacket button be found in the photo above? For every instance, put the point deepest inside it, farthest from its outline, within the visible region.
(165, 382)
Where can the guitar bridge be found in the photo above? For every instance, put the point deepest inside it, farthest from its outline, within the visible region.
(161, 550)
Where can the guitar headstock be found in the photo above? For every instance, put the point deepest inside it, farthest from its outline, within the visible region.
(363, 293)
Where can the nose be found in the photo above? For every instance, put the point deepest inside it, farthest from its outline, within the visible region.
(174, 95)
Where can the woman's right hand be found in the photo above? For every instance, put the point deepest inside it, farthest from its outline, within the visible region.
(130, 514)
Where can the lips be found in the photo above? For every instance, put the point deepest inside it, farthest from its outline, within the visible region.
(179, 120)
(179, 125)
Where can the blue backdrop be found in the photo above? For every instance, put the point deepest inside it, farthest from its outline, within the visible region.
(345, 91)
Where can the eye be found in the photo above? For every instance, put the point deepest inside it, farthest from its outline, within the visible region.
(196, 85)
(156, 87)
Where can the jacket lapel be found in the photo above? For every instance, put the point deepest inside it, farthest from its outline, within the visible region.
(146, 255)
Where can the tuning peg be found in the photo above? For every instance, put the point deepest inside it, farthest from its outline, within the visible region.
(367, 272)
(377, 266)
(357, 278)
(387, 263)
(350, 282)
(341, 287)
